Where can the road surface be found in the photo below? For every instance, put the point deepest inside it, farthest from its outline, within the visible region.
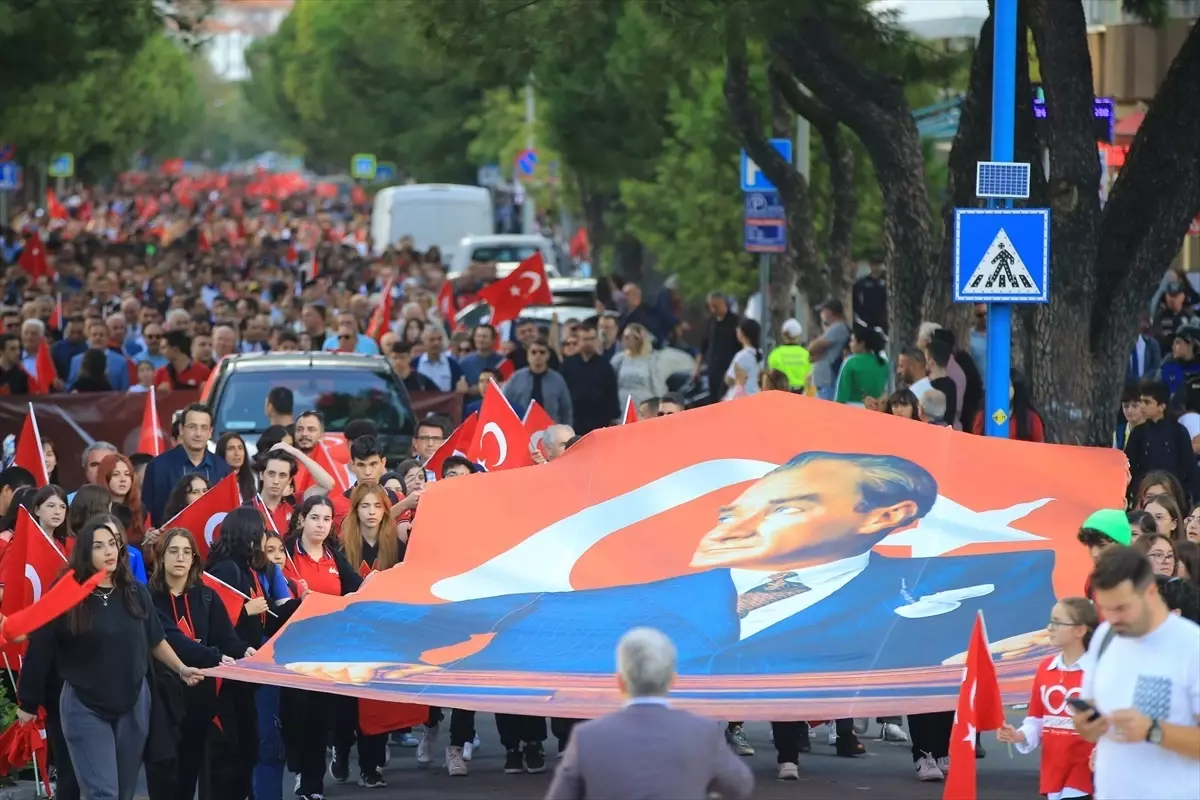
(885, 772)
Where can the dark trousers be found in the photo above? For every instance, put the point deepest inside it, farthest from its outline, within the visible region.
(307, 721)
(561, 728)
(930, 734)
(233, 748)
(67, 786)
(788, 738)
(177, 779)
(372, 750)
(518, 729)
(462, 724)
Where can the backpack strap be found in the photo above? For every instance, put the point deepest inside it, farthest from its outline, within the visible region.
(1105, 642)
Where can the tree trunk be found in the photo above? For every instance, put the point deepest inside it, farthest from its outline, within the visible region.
(1144, 222)
(844, 205)
(971, 145)
(801, 266)
(875, 108)
(1066, 371)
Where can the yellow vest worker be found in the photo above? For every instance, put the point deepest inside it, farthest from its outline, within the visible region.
(791, 358)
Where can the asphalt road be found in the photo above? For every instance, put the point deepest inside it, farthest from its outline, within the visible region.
(886, 771)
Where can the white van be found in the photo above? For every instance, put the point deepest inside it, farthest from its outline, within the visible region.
(433, 214)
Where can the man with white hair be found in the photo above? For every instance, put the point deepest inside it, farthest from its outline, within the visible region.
(933, 408)
(660, 751)
(33, 332)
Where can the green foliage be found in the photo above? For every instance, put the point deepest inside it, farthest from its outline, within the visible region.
(359, 76)
(117, 108)
(46, 44)
(689, 213)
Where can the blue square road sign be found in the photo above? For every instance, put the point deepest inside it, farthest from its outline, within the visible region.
(1001, 255)
(752, 178)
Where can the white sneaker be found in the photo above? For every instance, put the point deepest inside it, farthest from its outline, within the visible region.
(408, 740)
(296, 788)
(831, 734)
(425, 748)
(927, 770)
(943, 764)
(467, 751)
(893, 733)
(789, 772)
(455, 765)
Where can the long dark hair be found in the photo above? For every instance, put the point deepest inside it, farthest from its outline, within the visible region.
(63, 531)
(245, 474)
(90, 501)
(158, 579)
(177, 500)
(297, 524)
(871, 339)
(1021, 406)
(79, 618)
(22, 498)
(241, 539)
(752, 332)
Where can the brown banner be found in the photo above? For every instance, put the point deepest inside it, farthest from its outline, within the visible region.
(73, 421)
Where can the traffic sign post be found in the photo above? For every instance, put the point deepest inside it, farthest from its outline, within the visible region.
(62, 165)
(526, 164)
(999, 318)
(752, 178)
(363, 166)
(765, 223)
(10, 176)
(386, 171)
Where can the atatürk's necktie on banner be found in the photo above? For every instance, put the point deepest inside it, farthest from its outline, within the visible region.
(776, 589)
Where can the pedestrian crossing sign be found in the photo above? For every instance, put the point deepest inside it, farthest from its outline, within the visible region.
(1001, 255)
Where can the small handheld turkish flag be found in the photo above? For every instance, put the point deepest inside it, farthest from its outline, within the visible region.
(29, 450)
(203, 518)
(33, 257)
(457, 444)
(524, 286)
(151, 440)
(979, 709)
(500, 440)
(631, 414)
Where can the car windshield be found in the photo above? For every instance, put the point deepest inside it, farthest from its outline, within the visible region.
(503, 252)
(339, 394)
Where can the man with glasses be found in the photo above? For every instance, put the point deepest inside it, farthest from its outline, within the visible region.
(431, 433)
(152, 338)
(349, 340)
(538, 382)
(191, 456)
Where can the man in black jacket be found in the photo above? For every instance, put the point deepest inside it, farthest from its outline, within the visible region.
(592, 383)
(1160, 443)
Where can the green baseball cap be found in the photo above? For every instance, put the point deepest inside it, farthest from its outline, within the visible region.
(1113, 523)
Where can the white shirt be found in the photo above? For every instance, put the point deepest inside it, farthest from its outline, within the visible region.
(437, 371)
(822, 581)
(1159, 675)
(921, 387)
(648, 701)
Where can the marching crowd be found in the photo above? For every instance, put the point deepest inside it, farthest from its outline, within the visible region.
(146, 287)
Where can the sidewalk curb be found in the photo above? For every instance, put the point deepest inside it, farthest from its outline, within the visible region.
(24, 790)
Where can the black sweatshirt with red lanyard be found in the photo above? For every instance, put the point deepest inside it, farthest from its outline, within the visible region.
(256, 628)
(197, 626)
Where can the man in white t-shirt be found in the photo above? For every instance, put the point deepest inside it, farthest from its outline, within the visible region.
(1142, 674)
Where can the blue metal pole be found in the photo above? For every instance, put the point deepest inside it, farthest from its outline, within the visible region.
(1004, 103)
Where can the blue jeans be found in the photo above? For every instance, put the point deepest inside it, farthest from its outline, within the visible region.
(268, 772)
(826, 392)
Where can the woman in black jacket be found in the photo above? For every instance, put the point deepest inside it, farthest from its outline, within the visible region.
(102, 649)
(237, 559)
(316, 564)
(198, 627)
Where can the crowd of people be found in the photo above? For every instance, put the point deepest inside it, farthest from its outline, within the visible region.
(145, 286)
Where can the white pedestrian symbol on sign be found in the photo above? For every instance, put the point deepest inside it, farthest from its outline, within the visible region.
(1001, 271)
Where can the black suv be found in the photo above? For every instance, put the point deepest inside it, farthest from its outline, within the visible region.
(341, 386)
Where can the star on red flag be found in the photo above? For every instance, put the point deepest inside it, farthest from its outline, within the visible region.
(524, 286)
